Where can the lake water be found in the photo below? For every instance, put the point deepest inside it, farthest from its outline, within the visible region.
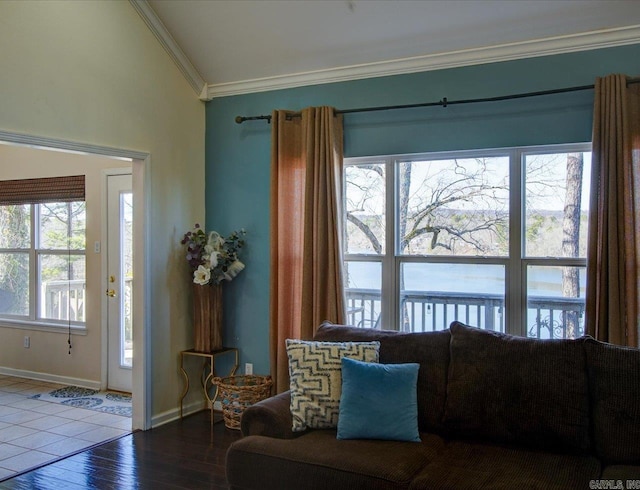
(469, 278)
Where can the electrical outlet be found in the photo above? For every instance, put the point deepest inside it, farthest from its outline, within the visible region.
(27, 342)
(248, 368)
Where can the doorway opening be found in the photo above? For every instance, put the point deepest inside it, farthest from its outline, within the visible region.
(138, 163)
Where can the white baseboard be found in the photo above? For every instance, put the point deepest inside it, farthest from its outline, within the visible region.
(51, 378)
(174, 414)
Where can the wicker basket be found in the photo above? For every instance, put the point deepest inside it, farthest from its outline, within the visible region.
(239, 392)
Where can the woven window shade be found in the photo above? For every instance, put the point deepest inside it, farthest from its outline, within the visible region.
(33, 191)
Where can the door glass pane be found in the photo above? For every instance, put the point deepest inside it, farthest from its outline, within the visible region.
(555, 302)
(14, 283)
(15, 226)
(62, 225)
(454, 207)
(62, 287)
(126, 261)
(364, 208)
(557, 204)
(434, 295)
(363, 291)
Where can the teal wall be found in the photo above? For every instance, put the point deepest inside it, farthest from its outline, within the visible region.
(238, 156)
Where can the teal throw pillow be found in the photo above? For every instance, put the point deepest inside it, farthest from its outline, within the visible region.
(379, 401)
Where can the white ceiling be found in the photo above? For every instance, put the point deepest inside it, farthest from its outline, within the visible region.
(234, 41)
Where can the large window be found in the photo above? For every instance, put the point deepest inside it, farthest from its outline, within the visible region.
(42, 263)
(495, 239)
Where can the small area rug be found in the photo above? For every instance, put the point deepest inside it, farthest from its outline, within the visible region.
(101, 401)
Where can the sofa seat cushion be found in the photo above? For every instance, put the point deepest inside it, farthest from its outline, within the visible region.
(614, 382)
(511, 389)
(622, 472)
(317, 460)
(485, 466)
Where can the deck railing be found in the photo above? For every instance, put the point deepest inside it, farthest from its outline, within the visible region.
(63, 300)
(422, 311)
(555, 317)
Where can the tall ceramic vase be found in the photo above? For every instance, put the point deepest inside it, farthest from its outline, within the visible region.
(207, 318)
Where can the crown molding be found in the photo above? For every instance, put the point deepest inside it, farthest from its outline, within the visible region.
(170, 45)
(490, 54)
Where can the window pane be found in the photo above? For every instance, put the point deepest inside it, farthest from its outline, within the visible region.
(454, 207)
(62, 286)
(62, 225)
(364, 208)
(126, 232)
(557, 204)
(555, 302)
(363, 292)
(15, 226)
(434, 295)
(14, 284)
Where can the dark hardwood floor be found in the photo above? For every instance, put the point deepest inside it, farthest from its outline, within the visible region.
(188, 453)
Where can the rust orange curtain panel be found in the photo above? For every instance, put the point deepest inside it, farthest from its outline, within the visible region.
(614, 221)
(306, 253)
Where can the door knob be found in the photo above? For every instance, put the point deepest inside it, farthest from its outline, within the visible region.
(111, 293)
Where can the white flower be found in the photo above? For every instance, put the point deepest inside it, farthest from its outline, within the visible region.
(215, 241)
(201, 275)
(233, 270)
(210, 261)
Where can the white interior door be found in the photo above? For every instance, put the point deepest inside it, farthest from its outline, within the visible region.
(119, 282)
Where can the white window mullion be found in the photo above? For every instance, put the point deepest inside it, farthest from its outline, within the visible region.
(515, 294)
(34, 280)
(389, 313)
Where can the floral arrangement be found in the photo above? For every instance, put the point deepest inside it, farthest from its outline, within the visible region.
(212, 257)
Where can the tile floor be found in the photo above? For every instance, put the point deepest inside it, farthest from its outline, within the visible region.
(35, 432)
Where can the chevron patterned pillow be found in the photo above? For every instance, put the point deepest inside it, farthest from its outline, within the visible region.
(315, 375)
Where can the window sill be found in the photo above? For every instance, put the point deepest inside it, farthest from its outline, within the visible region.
(43, 327)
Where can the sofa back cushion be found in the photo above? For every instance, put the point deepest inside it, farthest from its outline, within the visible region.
(614, 385)
(516, 390)
(429, 349)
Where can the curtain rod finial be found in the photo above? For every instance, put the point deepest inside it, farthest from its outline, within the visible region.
(239, 119)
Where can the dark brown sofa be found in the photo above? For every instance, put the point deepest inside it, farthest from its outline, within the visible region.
(495, 411)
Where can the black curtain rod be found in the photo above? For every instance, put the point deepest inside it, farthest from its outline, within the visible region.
(444, 102)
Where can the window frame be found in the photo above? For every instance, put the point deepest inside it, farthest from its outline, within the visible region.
(35, 320)
(516, 263)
